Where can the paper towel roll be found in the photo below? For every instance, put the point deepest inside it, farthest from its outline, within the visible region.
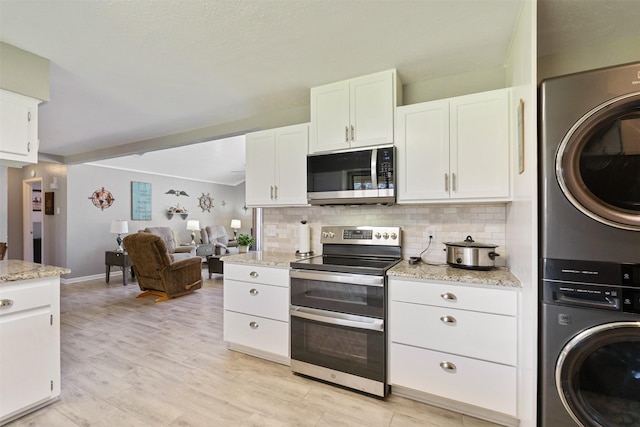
(305, 238)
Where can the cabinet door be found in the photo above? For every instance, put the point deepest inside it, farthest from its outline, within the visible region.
(329, 117)
(422, 144)
(26, 353)
(372, 109)
(480, 145)
(260, 175)
(291, 165)
(18, 128)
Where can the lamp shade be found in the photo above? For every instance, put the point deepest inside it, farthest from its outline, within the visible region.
(236, 224)
(119, 226)
(193, 224)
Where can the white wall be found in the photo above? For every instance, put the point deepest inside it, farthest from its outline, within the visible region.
(88, 237)
(3, 204)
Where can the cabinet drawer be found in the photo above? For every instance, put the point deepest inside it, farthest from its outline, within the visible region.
(257, 299)
(267, 335)
(257, 274)
(24, 296)
(479, 335)
(421, 370)
(496, 301)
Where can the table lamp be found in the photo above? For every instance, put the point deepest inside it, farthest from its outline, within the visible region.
(119, 227)
(236, 225)
(193, 225)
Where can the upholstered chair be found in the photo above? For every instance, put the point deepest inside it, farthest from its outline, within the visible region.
(217, 235)
(157, 273)
(176, 251)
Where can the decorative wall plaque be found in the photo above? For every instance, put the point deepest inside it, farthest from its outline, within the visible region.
(140, 201)
(206, 202)
(102, 199)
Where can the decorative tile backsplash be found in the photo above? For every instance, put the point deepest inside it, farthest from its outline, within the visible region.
(452, 223)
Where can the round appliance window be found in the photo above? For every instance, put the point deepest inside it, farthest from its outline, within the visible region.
(598, 163)
(598, 376)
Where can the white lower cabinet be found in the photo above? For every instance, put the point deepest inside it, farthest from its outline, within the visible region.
(256, 310)
(29, 345)
(454, 345)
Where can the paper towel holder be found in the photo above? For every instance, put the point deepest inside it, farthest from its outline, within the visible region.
(300, 254)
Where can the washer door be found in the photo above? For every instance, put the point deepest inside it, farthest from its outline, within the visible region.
(598, 375)
(598, 163)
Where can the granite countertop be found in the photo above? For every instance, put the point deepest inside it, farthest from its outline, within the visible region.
(12, 270)
(273, 259)
(497, 277)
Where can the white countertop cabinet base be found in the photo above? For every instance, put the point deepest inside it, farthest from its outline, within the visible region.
(29, 346)
(256, 311)
(455, 345)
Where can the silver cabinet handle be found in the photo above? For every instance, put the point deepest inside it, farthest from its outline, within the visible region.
(6, 303)
(446, 182)
(448, 366)
(449, 296)
(346, 134)
(448, 319)
(453, 181)
(271, 195)
(28, 147)
(28, 116)
(253, 325)
(353, 134)
(254, 274)
(276, 191)
(254, 292)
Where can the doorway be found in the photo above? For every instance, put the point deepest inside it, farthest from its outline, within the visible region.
(32, 225)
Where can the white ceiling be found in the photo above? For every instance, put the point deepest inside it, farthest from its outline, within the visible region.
(123, 72)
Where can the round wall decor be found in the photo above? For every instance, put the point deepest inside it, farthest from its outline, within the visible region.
(102, 198)
(206, 202)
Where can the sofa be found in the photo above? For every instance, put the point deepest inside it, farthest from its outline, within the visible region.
(176, 251)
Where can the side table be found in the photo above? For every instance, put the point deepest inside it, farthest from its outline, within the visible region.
(119, 259)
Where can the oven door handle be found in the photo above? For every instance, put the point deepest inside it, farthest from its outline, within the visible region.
(352, 279)
(335, 318)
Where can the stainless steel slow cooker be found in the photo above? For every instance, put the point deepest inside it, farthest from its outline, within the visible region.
(471, 255)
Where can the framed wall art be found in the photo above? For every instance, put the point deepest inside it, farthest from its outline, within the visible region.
(140, 201)
(48, 203)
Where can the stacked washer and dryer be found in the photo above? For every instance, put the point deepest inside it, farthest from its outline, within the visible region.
(589, 370)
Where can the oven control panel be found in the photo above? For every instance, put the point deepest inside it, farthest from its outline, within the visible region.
(361, 235)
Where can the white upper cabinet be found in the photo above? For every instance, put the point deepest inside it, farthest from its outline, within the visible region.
(18, 129)
(454, 149)
(277, 166)
(354, 113)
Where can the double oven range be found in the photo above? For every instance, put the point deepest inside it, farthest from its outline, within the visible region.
(338, 307)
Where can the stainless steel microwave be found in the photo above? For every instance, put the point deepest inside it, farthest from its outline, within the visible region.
(363, 176)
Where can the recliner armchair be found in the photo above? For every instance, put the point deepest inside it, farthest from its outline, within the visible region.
(217, 236)
(155, 270)
(176, 251)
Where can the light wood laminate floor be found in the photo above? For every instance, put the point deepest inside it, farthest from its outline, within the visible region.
(133, 362)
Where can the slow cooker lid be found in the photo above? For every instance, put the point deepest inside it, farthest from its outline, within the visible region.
(470, 243)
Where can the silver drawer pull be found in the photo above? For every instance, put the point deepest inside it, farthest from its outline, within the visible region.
(448, 366)
(448, 319)
(253, 325)
(254, 291)
(6, 303)
(449, 296)
(254, 274)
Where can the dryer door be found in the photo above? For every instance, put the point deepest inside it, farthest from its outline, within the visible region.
(598, 163)
(598, 375)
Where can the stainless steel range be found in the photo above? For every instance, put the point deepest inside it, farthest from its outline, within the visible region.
(338, 307)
